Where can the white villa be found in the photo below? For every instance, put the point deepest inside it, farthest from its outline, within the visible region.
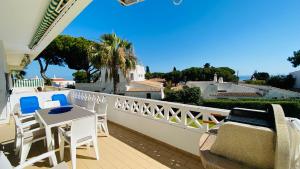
(106, 131)
(61, 82)
(133, 84)
(219, 89)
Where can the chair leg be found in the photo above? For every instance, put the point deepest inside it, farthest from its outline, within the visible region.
(105, 128)
(45, 142)
(24, 152)
(99, 127)
(73, 155)
(17, 145)
(61, 148)
(88, 146)
(53, 140)
(95, 144)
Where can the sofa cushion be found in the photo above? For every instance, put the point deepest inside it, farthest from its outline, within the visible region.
(247, 144)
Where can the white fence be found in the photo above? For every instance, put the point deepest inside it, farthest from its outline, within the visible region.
(28, 83)
(176, 124)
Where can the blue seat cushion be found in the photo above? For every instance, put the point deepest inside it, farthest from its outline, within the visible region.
(61, 98)
(29, 104)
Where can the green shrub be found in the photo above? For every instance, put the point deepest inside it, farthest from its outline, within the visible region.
(80, 77)
(186, 95)
(291, 107)
(48, 82)
(256, 82)
(281, 81)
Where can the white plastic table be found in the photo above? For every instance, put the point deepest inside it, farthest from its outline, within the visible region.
(50, 120)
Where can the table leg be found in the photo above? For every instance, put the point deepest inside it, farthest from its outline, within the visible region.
(49, 143)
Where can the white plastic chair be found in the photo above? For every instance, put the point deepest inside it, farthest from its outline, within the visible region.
(101, 112)
(83, 132)
(50, 104)
(27, 122)
(5, 164)
(25, 136)
(80, 103)
(89, 105)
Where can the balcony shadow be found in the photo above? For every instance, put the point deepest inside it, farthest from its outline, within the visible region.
(165, 154)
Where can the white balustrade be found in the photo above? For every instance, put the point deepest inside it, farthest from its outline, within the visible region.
(179, 125)
(182, 115)
(28, 83)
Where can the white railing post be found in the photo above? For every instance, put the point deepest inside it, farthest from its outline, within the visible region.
(166, 113)
(205, 121)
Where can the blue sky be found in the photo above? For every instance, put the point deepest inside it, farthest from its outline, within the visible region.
(245, 35)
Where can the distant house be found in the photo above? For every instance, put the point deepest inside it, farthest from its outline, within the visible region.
(219, 89)
(145, 89)
(61, 82)
(133, 84)
(296, 75)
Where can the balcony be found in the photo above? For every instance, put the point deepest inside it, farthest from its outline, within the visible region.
(123, 149)
(143, 133)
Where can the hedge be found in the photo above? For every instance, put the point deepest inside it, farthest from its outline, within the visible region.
(291, 107)
(256, 82)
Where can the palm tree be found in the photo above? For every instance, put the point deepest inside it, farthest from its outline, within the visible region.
(116, 54)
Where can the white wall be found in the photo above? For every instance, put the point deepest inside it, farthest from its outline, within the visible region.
(106, 85)
(296, 75)
(187, 140)
(154, 95)
(207, 87)
(138, 73)
(3, 94)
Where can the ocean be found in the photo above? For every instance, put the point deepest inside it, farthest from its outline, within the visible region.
(245, 77)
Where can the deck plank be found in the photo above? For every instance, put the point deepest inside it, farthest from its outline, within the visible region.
(123, 149)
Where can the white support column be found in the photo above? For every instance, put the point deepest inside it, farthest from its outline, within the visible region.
(4, 112)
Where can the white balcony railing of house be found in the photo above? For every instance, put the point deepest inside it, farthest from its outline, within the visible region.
(33, 83)
(176, 124)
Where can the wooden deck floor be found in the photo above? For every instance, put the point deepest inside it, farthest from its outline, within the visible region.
(123, 149)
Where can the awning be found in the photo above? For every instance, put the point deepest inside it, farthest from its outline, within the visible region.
(54, 9)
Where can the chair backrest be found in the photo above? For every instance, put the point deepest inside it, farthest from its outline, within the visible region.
(83, 128)
(79, 102)
(101, 108)
(29, 104)
(51, 104)
(18, 123)
(61, 98)
(90, 105)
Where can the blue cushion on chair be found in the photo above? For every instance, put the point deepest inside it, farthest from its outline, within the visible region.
(29, 104)
(61, 98)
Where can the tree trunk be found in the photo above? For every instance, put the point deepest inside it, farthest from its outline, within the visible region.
(43, 70)
(88, 76)
(115, 79)
(43, 74)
